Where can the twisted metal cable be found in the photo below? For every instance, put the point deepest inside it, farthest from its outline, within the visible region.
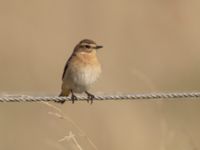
(147, 96)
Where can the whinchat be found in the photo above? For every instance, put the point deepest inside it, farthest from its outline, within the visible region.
(82, 69)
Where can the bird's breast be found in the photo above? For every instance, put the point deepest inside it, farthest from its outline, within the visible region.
(86, 75)
(85, 69)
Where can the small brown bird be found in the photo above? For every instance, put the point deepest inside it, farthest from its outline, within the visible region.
(81, 70)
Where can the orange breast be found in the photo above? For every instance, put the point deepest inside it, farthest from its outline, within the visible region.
(86, 59)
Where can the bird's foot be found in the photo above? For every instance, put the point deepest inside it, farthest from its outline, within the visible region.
(90, 97)
(73, 98)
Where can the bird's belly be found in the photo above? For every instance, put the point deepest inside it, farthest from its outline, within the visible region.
(86, 76)
(80, 79)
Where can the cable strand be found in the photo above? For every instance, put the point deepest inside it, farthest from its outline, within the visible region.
(147, 96)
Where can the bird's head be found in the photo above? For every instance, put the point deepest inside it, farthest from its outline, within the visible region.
(87, 46)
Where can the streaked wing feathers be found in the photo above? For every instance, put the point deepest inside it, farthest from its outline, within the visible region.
(66, 66)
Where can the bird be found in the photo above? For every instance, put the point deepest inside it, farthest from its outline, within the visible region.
(81, 70)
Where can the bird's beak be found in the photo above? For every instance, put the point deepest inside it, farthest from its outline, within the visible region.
(99, 46)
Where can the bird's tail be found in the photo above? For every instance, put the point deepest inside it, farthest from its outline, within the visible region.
(63, 93)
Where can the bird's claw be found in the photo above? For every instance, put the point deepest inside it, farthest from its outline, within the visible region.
(90, 97)
(73, 98)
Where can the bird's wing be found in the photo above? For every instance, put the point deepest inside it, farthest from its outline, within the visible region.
(66, 66)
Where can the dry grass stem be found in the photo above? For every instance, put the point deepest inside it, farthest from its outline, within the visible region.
(71, 136)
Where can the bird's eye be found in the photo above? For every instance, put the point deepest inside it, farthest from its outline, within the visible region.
(87, 46)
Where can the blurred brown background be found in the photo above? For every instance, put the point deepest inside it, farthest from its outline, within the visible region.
(148, 46)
